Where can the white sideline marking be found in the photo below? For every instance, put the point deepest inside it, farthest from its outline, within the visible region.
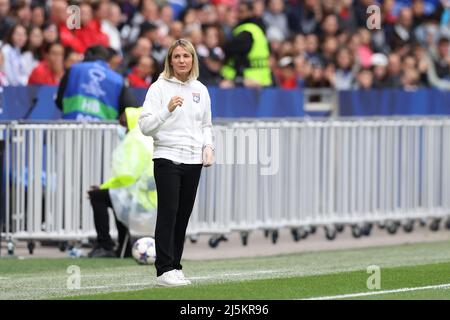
(220, 276)
(373, 293)
(225, 275)
(151, 284)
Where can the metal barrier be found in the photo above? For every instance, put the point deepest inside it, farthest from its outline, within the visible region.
(2, 186)
(49, 168)
(269, 174)
(330, 173)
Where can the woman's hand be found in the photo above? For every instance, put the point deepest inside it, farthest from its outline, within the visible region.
(175, 101)
(208, 156)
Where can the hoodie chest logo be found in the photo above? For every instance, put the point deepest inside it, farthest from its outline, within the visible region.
(196, 97)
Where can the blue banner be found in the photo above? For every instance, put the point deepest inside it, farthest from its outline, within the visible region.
(389, 102)
(267, 103)
(37, 103)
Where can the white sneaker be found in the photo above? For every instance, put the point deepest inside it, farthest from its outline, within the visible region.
(170, 279)
(181, 276)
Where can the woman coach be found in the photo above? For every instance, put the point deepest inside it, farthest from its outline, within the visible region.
(177, 114)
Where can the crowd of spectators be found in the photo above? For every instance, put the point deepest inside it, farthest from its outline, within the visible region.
(313, 43)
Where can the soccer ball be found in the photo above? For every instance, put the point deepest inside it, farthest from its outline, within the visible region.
(144, 250)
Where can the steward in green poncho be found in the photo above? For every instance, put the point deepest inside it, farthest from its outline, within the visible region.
(131, 193)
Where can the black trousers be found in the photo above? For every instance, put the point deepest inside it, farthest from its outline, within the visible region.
(176, 185)
(101, 201)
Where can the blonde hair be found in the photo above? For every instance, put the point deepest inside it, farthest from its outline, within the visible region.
(187, 45)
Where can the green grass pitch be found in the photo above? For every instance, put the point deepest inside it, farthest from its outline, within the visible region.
(416, 271)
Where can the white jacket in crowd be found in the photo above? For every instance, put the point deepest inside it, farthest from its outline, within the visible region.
(17, 65)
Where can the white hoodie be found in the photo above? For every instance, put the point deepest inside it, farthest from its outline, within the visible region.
(179, 135)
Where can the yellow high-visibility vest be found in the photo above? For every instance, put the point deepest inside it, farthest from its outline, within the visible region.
(258, 57)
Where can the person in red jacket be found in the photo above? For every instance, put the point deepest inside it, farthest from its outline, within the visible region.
(141, 75)
(285, 74)
(59, 16)
(50, 70)
(90, 33)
